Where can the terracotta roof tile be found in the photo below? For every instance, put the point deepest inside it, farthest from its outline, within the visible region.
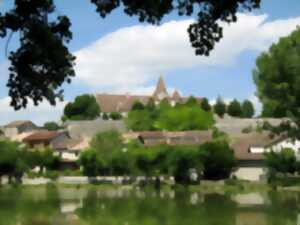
(42, 135)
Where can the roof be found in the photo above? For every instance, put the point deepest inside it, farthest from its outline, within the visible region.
(42, 135)
(72, 144)
(151, 138)
(176, 96)
(18, 123)
(160, 88)
(119, 103)
(242, 144)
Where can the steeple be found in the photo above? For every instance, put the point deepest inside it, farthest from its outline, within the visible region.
(176, 96)
(160, 90)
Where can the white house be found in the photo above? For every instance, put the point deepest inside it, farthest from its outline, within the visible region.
(249, 151)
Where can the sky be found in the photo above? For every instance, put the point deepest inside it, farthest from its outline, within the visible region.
(120, 55)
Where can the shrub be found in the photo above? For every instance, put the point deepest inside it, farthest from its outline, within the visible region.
(247, 130)
(115, 116)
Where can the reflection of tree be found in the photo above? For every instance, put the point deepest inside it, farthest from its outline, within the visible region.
(27, 208)
(155, 210)
(283, 208)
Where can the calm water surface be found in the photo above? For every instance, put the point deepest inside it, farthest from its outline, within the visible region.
(85, 206)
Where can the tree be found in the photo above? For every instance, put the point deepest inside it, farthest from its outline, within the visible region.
(141, 120)
(205, 104)
(247, 109)
(37, 73)
(192, 101)
(184, 118)
(14, 160)
(282, 162)
(220, 107)
(234, 109)
(85, 107)
(218, 160)
(89, 162)
(278, 83)
(51, 126)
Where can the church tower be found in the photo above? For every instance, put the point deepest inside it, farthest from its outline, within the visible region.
(160, 91)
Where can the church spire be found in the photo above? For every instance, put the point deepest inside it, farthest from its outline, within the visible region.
(160, 90)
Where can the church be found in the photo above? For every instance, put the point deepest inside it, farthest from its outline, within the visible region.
(123, 103)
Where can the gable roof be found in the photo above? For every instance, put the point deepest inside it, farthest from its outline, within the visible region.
(18, 123)
(176, 95)
(150, 138)
(119, 103)
(242, 144)
(42, 135)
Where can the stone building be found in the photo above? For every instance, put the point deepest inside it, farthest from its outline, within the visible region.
(123, 103)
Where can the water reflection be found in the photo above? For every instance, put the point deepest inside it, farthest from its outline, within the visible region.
(119, 206)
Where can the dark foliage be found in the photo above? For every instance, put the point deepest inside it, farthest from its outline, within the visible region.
(278, 83)
(85, 107)
(42, 63)
(234, 109)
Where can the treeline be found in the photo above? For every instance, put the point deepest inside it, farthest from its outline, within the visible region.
(109, 156)
(85, 107)
(16, 160)
(234, 108)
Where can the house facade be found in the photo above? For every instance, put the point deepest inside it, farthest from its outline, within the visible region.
(109, 103)
(250, 148)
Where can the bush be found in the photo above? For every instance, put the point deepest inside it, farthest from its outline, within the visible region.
(247, 130)
(115, 116)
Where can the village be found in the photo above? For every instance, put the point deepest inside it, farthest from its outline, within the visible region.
(247, 137)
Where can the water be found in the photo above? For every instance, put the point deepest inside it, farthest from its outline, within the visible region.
(121, 206)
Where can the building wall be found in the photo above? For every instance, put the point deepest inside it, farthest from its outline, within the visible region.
(27, 127)
(11, 132)
(294, 145)
(69, 155)
(255, 173)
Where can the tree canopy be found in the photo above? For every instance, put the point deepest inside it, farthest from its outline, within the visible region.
(205, 104)
(84, 107)
(220, 107)
(278, 82)
(247, 109)
(234, 109)
(182, 117)
(42, 62)
(51, 126)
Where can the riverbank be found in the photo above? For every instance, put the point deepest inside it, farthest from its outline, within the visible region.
(204, 186)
